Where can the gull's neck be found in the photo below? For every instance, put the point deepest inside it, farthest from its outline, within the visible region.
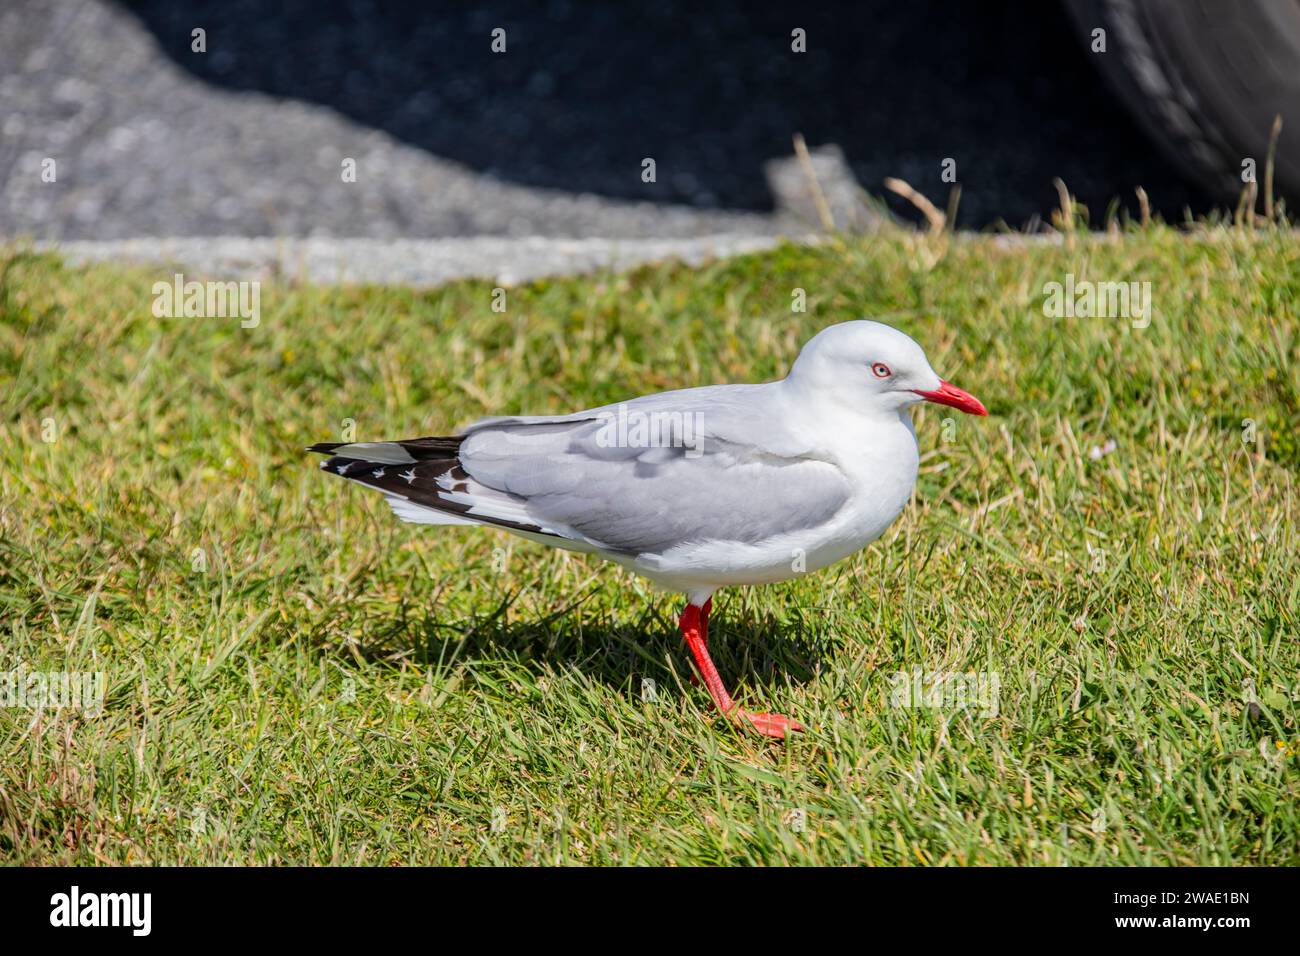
(834, 421)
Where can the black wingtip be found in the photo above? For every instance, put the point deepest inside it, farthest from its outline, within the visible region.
(324, 447)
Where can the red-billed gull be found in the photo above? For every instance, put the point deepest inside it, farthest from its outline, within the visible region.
(695, 489)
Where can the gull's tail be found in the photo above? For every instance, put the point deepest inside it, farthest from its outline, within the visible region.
(424, 482)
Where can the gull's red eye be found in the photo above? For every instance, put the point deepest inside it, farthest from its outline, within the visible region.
(881, 370)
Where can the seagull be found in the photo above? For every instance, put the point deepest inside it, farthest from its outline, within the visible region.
(695, 489)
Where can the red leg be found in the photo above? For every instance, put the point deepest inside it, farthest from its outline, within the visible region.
(694, 628)
(704, 632)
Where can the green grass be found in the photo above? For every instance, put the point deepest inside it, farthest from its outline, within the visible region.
(337, 687)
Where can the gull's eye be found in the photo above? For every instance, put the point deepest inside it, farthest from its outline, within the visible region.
(881, 370)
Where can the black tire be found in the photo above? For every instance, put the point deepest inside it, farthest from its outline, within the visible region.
(1205, 80)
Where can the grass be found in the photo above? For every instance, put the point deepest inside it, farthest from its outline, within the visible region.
(292, 676)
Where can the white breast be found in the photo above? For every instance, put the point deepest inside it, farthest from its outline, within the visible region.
(883, 472)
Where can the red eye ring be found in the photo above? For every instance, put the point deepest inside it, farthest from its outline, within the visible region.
(881, 370)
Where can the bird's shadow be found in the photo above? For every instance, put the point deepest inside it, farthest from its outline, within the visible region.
(755, 651)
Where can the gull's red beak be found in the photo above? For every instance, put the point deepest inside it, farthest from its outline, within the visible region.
(949, 394)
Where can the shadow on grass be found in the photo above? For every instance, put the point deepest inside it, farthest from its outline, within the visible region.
(751, 650)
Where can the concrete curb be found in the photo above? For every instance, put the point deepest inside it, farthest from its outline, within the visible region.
(413, 262)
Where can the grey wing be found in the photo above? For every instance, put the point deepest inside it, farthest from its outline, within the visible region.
(694, 480)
